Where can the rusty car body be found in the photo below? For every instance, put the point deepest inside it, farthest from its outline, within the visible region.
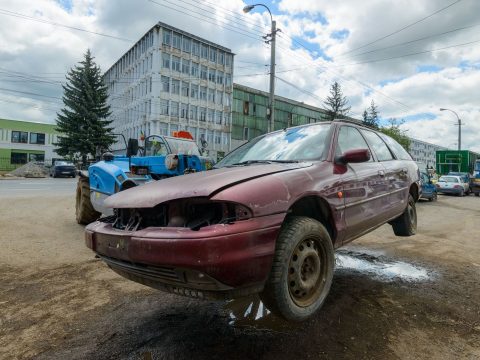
(265, 220)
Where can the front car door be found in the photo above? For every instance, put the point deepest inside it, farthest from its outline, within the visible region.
(364, 186)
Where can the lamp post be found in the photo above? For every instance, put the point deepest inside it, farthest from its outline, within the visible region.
(272, 36)
(459, 124)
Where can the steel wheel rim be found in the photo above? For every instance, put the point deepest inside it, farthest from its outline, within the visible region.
(306, 272)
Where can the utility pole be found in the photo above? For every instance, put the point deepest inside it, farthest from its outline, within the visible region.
(459, 124)
(272, 75)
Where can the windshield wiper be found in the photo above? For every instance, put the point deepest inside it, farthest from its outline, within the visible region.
(248, 162)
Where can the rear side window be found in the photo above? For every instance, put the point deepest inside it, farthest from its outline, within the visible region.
(379, 147)
(349, 138)
(398, 149)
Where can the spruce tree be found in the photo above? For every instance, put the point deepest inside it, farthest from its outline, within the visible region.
(336, 104)
(83, 123)
(370, 115)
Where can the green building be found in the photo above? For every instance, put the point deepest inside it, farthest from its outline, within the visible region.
(249, 113)
(455, 160)
(24, 141)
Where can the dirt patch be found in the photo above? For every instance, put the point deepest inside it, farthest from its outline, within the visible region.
(391, 298)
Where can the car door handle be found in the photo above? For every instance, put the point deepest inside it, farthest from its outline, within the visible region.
(381, 172)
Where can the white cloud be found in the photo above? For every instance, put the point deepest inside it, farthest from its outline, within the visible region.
(49, 51)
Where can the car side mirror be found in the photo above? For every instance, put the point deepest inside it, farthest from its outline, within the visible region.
(354, 156)
(132, 147)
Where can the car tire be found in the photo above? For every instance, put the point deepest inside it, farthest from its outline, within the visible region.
(406, 224)
(434, 197)
(84, 211)
(461, 194)
(302, 270)
(477, 194)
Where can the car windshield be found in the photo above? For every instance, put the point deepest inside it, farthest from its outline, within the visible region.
(448, 179)
(289, 145)
(63, 163)
(180, 146)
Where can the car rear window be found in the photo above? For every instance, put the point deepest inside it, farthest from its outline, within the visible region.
(398, 149)
(379, 147)
(448, 179)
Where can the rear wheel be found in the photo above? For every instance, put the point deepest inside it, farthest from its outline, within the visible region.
(85, 213)
(406, 224)
(302, 270)
(461, 194)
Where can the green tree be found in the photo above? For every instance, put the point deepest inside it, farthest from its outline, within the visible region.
(82, 122)
(336, 104)
(370, 116)
(394, 131)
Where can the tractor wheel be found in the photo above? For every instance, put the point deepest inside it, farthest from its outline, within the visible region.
(84, 210)
(302, 270)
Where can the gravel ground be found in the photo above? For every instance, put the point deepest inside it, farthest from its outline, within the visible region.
(407, 298)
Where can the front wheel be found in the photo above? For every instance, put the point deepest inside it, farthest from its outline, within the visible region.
(84, 211)
(302, 270)
(406, 224)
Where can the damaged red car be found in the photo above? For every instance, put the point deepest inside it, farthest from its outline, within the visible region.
(266, 219)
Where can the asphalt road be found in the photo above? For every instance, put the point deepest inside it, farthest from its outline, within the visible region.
(36, 187)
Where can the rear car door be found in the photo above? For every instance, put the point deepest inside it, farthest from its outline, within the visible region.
(396, 174)
(364, 187)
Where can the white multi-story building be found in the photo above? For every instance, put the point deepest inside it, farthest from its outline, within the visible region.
(171, 80)
(424, 153)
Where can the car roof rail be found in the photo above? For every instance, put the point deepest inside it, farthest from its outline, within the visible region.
(356, 122)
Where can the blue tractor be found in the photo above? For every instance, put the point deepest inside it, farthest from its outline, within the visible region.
(160, 158)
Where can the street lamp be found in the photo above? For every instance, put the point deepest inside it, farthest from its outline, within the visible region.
(459, 123)
(272, 35)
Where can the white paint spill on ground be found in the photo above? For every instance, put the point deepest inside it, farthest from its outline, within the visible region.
(380, 267)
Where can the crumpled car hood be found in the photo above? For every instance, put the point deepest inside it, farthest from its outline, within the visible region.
(202, 184)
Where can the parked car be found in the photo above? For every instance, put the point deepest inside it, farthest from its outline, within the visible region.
(465, 176)
(452, 184)
(429, 190)
(63, 169)
(265, 220)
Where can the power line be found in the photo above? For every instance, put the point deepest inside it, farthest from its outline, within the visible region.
(401, 29)
(415, 40)
(407, 55)
(31, 18)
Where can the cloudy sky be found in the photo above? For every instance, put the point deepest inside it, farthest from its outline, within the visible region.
(410, 57)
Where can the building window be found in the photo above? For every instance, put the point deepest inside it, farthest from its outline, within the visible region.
(228, 80)
(227, 101)
(210, 115)
(213, 55)
(164, 107)
(218, 139)
(174, 109)
(37, 138)
(166, 61)
(245, 108)
(195, 48)
(228, 59)
(194, 69)
(194, 91)
(218, 117)
(176, 40)
(221, 57)
(175, 63)
(211, 75)
(193, 112)
(18, 158)
(219, 97)
(36, 157)
(204, 51)
(185, 86)
(246, 133)
(163, 128)
(167, 37)
(175, 86)
(225, 118)
(211, 95)
(186, 66)
(220, 77)
(20, 137)
(203, 73)
(187, 43)
(184, 111)
(165, 84)
(203, 93)
(203, 114)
